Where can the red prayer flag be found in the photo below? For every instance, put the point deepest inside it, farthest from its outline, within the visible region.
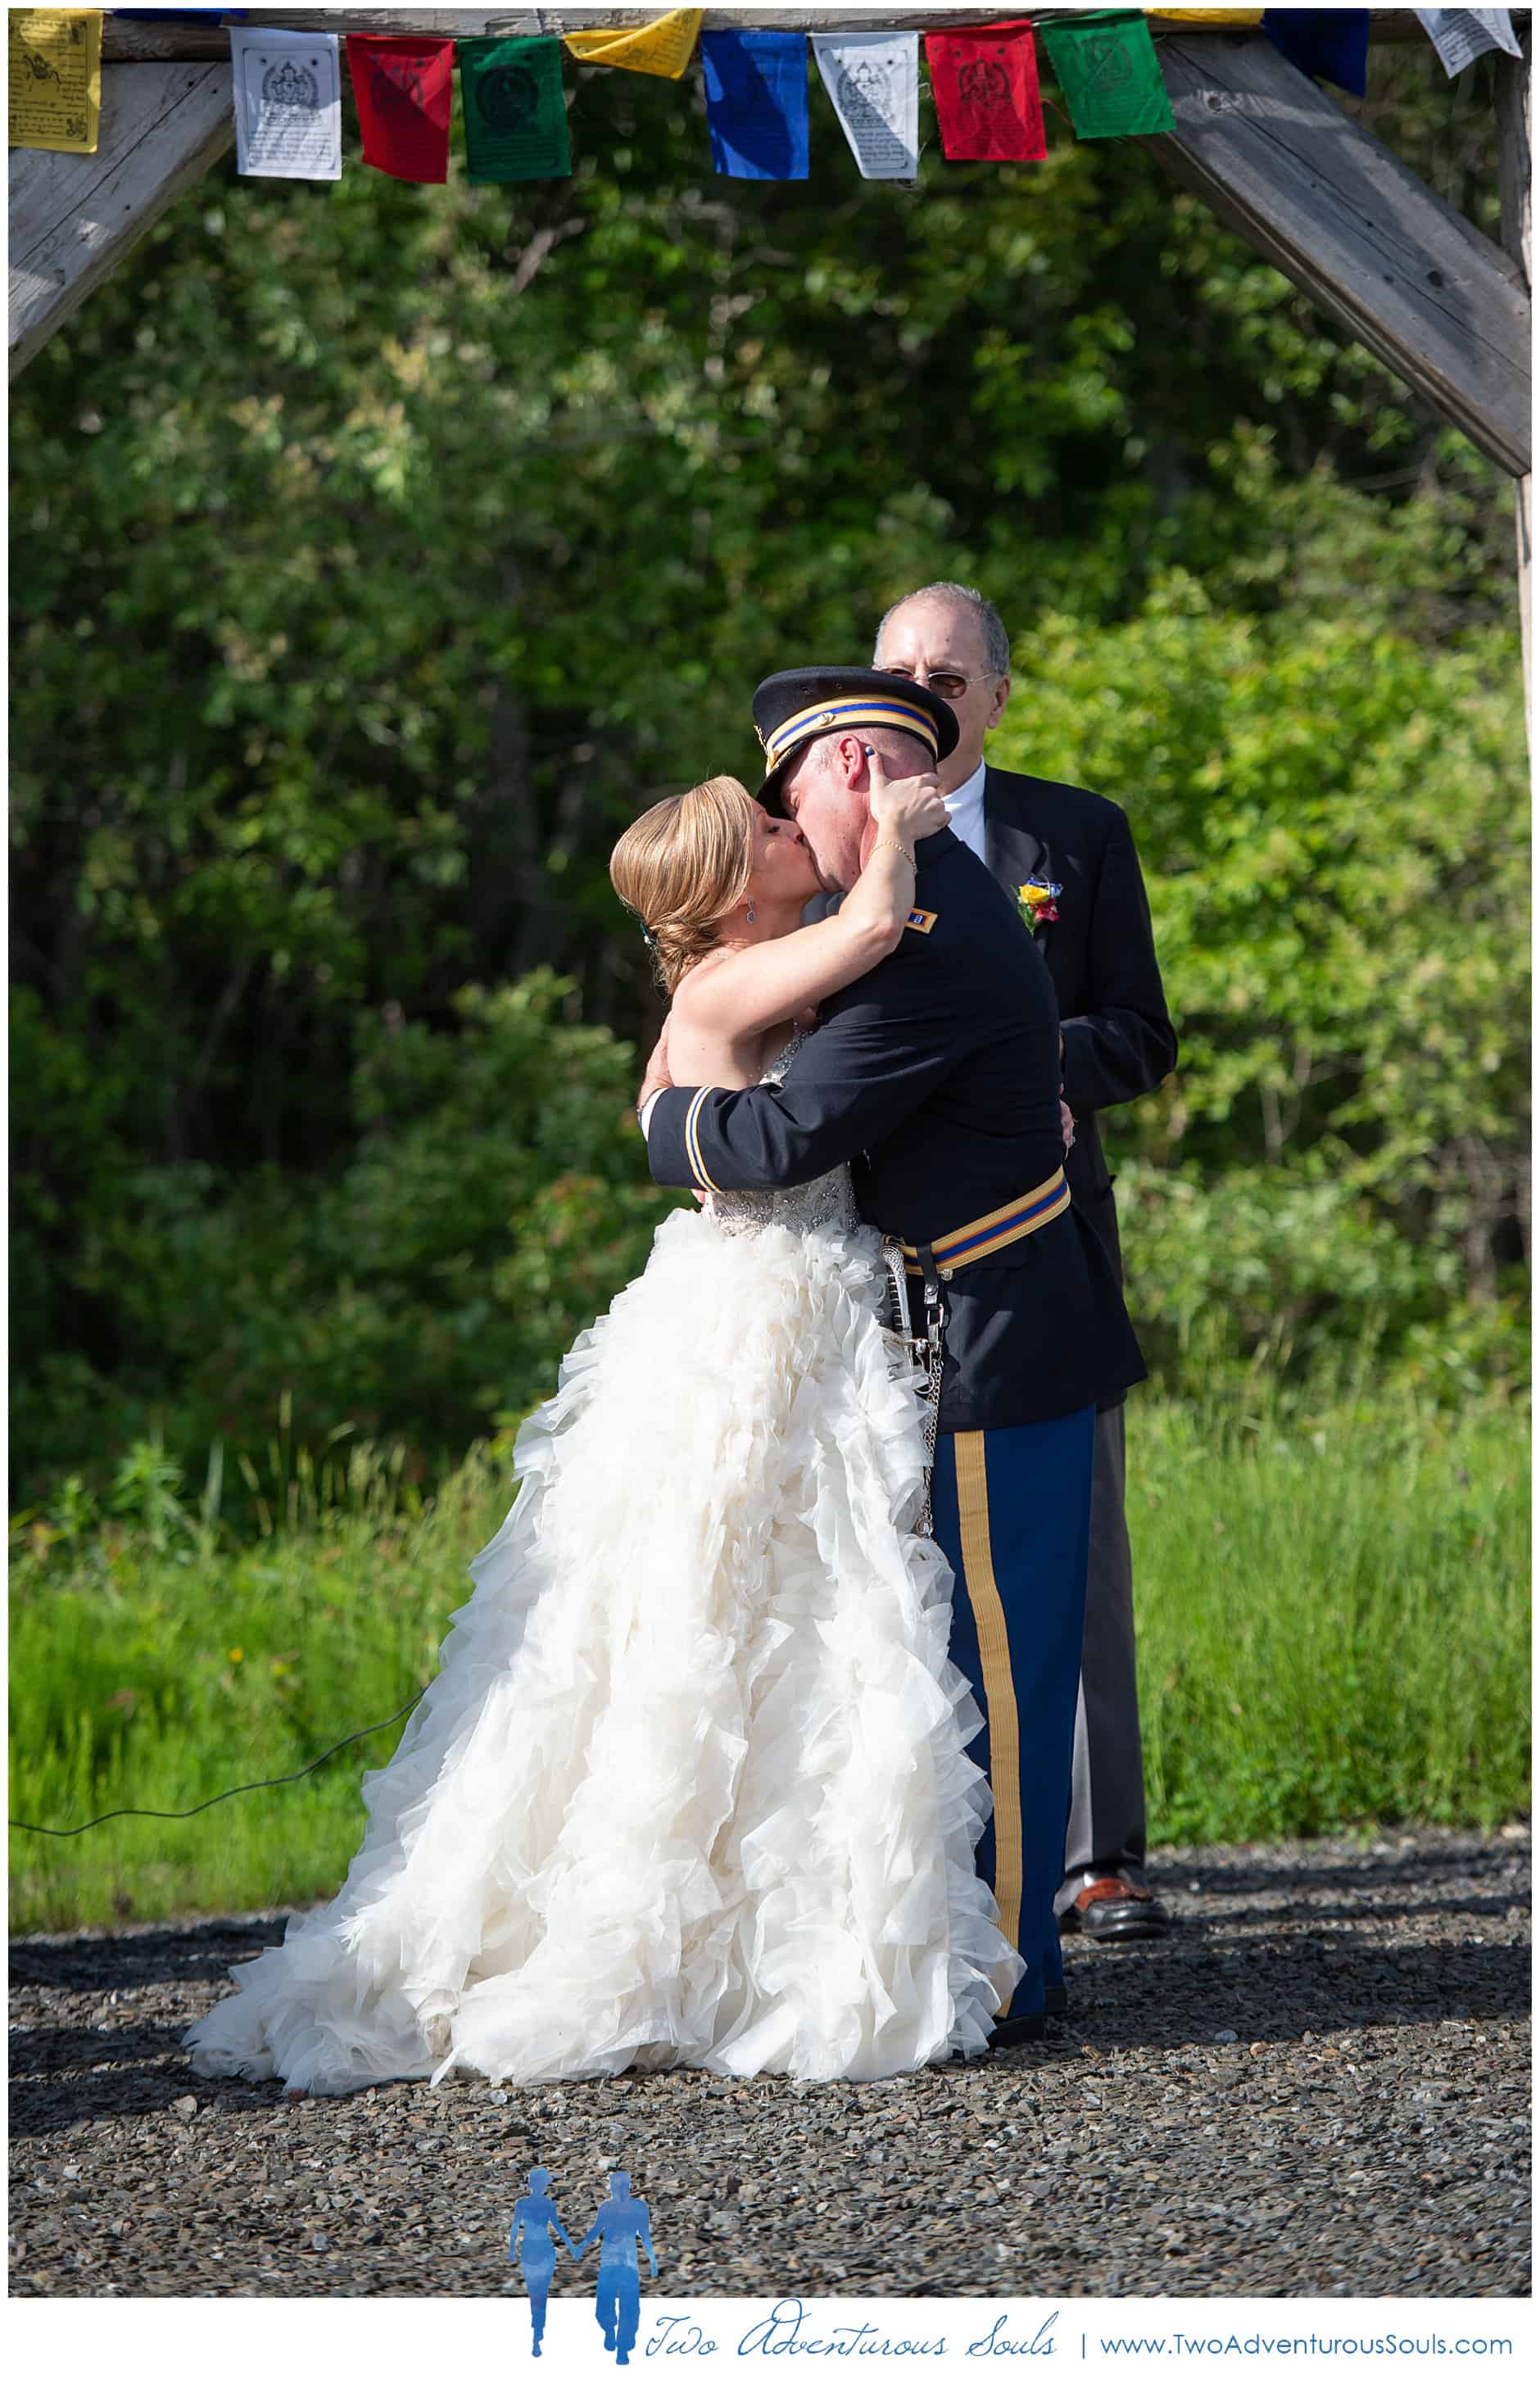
(985, 85)
(401, 84)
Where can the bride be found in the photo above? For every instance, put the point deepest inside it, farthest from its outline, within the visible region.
(690, 1787)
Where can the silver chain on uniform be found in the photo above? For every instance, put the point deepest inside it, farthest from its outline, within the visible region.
(923, 1351)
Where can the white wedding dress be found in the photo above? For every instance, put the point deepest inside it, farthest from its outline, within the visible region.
(690, 1787)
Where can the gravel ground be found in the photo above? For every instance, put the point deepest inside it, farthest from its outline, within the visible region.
(1317, 2086)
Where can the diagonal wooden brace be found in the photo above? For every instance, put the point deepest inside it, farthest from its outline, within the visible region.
(1360, 233)
(72, 219)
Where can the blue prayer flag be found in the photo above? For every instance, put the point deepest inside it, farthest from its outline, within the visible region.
(1331, 43)
(757, 105)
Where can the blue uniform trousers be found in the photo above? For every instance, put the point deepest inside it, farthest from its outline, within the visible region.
(1012, 1509)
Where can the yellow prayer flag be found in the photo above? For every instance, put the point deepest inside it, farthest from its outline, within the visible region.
(663, 48)
(1237, 17)
(55, 77)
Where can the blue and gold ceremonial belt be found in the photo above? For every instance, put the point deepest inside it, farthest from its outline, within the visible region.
(982, 1238)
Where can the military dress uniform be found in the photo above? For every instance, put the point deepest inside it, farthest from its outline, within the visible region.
(937, 1076)
(1119, 1043)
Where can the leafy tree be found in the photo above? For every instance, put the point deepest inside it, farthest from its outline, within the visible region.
(1334, 826)
(377, 549)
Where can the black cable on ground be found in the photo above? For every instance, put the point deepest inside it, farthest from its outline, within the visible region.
(67, 1831)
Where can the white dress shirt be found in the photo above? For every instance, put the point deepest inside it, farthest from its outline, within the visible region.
(965, 812)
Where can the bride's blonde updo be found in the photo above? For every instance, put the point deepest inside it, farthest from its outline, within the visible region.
(682, 865)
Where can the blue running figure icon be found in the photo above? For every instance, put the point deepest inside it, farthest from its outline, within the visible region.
(619, 2223)
(535, 2217)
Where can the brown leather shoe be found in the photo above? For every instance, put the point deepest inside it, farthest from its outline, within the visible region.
(1111, 1908)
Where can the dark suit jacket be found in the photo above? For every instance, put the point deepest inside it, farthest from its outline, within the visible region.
(1101, 954)
(936, 1075)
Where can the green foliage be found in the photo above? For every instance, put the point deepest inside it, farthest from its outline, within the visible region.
(157, 1674)
(1305, 1578)
(1334, 827)
(376, 550)
(495, 1199)
(1304, 1575)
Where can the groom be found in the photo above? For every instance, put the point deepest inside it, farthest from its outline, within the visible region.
(937, 1076)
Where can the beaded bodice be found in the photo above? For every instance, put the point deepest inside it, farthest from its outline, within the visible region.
(826, 1201)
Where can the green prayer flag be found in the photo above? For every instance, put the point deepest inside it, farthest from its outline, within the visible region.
(515, 111)
(1110, 76)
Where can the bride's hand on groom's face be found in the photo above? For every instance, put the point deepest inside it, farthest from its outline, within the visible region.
(904, 809)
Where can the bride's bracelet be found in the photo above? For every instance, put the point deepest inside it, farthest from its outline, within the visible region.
(893, 847)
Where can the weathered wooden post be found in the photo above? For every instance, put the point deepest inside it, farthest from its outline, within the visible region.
(1514, 125)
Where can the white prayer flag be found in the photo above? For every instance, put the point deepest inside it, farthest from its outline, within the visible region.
(873, 79)
(1460, 34)
(288, 104)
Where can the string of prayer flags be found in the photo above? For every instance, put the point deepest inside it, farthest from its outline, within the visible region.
(1110, 75)
(288, 104)
(401, 82)
(1331, 43)
(515, 109)
(1460, 34)
(55, 77)
(874, 80)
(664, 47)
(757, 105)
(988, 104)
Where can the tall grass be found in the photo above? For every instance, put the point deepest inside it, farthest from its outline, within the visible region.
(155, 1663)
(1332, 1618)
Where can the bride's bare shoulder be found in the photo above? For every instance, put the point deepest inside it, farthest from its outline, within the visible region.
(692, 997)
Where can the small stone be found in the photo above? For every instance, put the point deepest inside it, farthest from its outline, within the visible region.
(184, 2106)
(1225, 2039)
(320, 2243)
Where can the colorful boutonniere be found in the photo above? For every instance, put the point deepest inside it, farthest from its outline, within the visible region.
(1038, 899)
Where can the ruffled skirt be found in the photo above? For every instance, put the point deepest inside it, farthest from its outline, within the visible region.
(690, 1786)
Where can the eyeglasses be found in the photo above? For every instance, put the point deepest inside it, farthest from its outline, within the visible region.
(943, 683)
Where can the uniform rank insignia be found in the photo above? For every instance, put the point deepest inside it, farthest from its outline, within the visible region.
(923, 922)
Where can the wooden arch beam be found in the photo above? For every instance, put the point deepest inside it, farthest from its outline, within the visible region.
(72, 219)
(1360, 233)
(1270, 152)
(128, 38)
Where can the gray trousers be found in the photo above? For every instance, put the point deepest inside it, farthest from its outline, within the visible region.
(1106, 1817)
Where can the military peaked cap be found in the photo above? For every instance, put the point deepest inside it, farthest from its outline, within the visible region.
(792, 707)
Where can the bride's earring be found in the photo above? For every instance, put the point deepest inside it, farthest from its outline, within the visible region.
(749, 915)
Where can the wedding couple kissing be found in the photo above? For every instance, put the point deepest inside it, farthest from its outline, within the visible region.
(752, 1749)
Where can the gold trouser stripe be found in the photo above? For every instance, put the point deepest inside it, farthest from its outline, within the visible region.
(1000, 1685)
